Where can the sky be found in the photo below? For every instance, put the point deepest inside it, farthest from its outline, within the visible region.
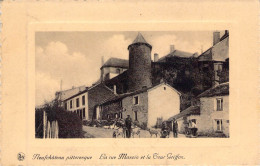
(75, 57)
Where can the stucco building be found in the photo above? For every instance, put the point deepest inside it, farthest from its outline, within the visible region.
(83, 103)
(215, 60)
(211, 114)
(214, 110)
(79, 104)
(142, 105)
(112, 68)
(191, 114)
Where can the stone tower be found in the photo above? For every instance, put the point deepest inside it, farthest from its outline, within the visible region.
(139, 72)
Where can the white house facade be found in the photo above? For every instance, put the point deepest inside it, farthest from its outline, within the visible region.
(78, 104)
(214, 110)
(163, 102)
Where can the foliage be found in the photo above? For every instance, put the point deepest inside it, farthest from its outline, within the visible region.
(38, 123)
(70, 125)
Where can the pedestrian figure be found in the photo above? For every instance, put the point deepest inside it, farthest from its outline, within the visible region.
(193, 128)
(175, 128)
(128, 124)
(165, 131)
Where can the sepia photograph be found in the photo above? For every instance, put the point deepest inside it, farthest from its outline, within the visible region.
(132, 84)
(129, 82)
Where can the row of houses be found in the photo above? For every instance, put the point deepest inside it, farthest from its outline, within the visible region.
(131, 88)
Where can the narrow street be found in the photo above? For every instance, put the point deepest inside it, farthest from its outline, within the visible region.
(97, 132)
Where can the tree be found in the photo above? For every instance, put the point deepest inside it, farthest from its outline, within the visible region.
(70, 124)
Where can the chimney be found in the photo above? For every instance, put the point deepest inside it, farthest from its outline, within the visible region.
(172, 48)
(156, 57)
(216, 37)
(226, 31)
(115, 89)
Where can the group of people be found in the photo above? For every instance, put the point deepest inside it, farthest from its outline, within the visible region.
(165, 128)
(128, 126)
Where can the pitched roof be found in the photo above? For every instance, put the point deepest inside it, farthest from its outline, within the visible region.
(219, 90)
(87, 89)
(140, 39)
(177, 53)
(116, 62)
(81, 92)
(207, 55)
(121, 96)
(192, 110)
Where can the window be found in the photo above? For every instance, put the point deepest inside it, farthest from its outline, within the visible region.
(116, 115)
(84, 113)
(219, 125)
(77, 102)
(70, 103)
(136, 100)
(220, 67)
(135, 115)
(120, 115)
(66, 106)
(219, 104)
(80, 114)
(83, 100)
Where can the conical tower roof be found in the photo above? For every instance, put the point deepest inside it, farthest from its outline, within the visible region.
(140, 39)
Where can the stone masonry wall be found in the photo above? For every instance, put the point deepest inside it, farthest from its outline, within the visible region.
(96, 95)
(140, 72)
(141, 108)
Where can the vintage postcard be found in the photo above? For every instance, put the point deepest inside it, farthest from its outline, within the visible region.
(84, 82)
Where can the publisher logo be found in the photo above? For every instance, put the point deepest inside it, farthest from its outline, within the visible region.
(20, 156)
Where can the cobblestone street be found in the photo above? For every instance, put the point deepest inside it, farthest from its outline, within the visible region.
(97, 132)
